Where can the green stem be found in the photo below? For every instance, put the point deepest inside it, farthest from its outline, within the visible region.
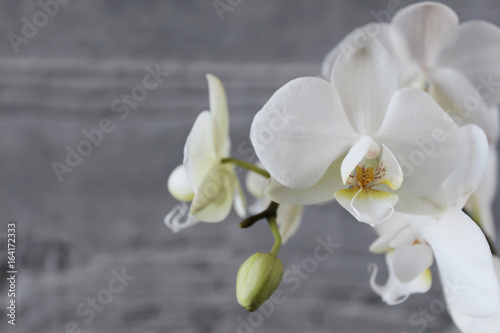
(276, 234)
(246, 165)
(266, 214)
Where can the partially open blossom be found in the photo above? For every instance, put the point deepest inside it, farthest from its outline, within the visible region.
(203, 178)
(452, 239)
(355, 139)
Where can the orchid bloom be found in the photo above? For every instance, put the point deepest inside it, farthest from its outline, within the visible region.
(351, 138)
(288, 217)
(211, 185)
(458, 65)
(452, 238)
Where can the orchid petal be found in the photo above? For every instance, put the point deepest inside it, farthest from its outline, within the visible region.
(179, 186)
(239, 201)
(212, 202)
(200, 152)
(393, 175)
(365, 79)
(465, 263)
(289, 218)
(300, 131)
(473, 324)
(320, 192)
(411, 260)
(457, 96)
(219, 110)
(475, 54)
(365, 146)
(367, 205)
(480, 203)
(465, 178)
(423, 31)
(356, 39)
(423, 138)
(383, 243)
(395, 291)
(255, 183)
(179, 218)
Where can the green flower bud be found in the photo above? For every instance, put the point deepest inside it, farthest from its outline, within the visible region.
(259, 276)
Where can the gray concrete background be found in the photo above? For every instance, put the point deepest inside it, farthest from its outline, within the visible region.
(108, 213)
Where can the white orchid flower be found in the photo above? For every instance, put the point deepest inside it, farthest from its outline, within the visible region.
(352, 137)
(288, 217)
(457, 64)
(211, 185)
(471, 324)
(452, 238)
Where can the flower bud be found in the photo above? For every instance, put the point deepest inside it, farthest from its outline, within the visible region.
(259, 276)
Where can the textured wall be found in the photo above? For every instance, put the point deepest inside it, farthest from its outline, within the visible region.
(75, 236)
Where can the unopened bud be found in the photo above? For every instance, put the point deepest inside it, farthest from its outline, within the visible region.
(258, 278)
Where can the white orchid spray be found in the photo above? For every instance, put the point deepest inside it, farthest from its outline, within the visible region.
(401, 132)
(457, 64)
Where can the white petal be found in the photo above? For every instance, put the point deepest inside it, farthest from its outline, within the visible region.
(457, 96)
(212, 202)
(179, 186)
(411, 260)
(179, 218)
(473, 324)
(475, 54)
(365, 80)
(218, 108)
(465, 178)
(433, 204)
(289, 218)
(395, 291)
(365, 146)
(424, 30)
(239, 203)
(393, 174)
(200, 150)
(357, 38)
(423, 138)
(300, 131)
(397, 222)
(465, 263)
(393, 233)
(480, 203)
(255, 183)
(320, 192)
(383, 243)
(367, 205)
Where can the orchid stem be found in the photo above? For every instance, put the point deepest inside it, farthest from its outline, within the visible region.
(276, 234)
(246, 165)
(266, 214)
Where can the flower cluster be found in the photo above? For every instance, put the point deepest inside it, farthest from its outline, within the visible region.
(401, 131)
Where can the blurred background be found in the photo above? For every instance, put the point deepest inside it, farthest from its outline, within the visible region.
(66, 69)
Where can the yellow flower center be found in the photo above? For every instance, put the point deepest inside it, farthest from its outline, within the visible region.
(364, 176)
